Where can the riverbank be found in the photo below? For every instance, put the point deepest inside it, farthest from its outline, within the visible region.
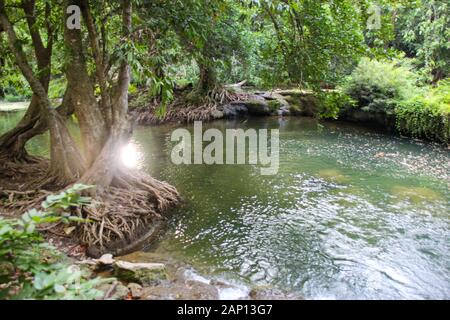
(329, 105)
(13, 106)
(152, 276)
(137, 276)
(244, 102)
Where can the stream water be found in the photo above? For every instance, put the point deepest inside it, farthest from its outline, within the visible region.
(352, 214)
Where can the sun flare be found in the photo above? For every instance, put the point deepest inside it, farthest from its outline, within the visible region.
(130, 155)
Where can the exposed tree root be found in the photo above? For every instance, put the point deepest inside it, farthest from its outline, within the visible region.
(17, 173)
(119, 217)
(122, 214)
(13, 202)
(189, 107)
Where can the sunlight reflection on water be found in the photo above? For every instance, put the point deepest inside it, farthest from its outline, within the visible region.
(131, 156)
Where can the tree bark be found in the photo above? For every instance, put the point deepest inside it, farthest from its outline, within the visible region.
(66, 163)
(13, 142)
(2, 65)
(90, 118)
(107, 165)
(100, 61)
(208, 78)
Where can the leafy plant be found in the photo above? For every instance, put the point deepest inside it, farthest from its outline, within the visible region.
(423, 31)
(378, 86)
(332, 102)
(32, 269)
(427, 115)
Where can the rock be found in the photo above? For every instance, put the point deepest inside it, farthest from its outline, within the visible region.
(89, 262)
(258, 104)
(372, 118)
(121, 291)
(136, 290)
(257, 107)
(276, 97)
(274, 106)
(106, 260)
(217, 114)
(234, 110)
(301, 104)
(284, 111)
(115, 291)
(142, 273)
(192, 290)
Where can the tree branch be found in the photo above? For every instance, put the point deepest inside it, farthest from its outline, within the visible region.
(21, 60)
(100, 69)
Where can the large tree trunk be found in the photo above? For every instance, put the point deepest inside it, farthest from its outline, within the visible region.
(92, 123)
(63, 148)
(135, 199)
(127, 201)
(208, 78)
(12, 143)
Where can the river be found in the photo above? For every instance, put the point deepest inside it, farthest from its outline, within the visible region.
(351, 214)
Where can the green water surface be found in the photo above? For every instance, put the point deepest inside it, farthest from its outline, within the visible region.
(352, 214)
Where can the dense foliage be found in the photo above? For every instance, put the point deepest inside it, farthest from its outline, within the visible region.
(378, 86)
(427, 115)
(266, 42)
(391, 47)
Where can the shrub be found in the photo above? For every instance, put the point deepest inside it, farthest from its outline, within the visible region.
(15, 87)
(377, 86)
(32, 269)
(332, 102)
(428, 115)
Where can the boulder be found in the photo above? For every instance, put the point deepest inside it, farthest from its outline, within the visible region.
(284, 111)
(306, 105)
(373, 118)
(106, 260)
(136, 290)
(257, 107)
(141, 273)
(191, 290)
(273, 96)
(113, 291)
(234, 110)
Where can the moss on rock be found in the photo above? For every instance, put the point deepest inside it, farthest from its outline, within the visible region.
(142, 273)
